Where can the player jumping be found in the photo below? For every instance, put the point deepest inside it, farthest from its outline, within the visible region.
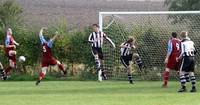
(170, 61)
(188, 63)
(47, 56)
(11, 52)
(126, 56)
(96, 39)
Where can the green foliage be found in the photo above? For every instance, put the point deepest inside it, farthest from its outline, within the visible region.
(29, 45)
(10, 14)
(79, 48)
(183, 5)
(151, 46)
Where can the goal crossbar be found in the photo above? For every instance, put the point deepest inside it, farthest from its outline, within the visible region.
(142, 13)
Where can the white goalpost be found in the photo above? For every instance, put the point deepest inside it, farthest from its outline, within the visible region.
(101, 14)
(152, 31)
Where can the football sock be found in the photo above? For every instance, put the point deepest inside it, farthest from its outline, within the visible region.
(7, 70)
(193, 81)
(166, 77)
(130, 78)
(187, 77)
(42, 75)
(61, 67)
(183, 81)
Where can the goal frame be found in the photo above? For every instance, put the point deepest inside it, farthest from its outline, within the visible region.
(101, 16)
(142, 13)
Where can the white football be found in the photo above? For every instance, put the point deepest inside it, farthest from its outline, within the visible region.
(22, 59)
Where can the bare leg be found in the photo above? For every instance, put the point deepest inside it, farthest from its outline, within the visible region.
(42, 74)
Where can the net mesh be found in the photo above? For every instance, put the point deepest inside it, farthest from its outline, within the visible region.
(152, 33)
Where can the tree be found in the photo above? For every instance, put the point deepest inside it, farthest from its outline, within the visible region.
(10, 14)
(183, 5)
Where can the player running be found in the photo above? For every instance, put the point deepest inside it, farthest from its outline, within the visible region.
(47, 56)
(126, 56)
(96, 39)
(10, 49)
(188, 63)
(170, 61)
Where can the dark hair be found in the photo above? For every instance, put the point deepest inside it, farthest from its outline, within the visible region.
(174, 34)
(96, 25)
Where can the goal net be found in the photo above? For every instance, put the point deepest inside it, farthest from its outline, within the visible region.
(152, 30)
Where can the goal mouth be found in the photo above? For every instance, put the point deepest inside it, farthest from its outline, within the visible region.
(152, 30)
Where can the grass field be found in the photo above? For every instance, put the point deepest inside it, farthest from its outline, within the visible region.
(94, 93)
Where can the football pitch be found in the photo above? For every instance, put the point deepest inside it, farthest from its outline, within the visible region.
(94, 93)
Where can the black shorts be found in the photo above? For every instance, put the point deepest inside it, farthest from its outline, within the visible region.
(126, 60)
(98, 51)
(188, 64)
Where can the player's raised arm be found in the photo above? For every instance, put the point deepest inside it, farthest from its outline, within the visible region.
(42, 30)
(108, 39)
(55, 36)
(50, 42)
(41, 35)
(123, 46)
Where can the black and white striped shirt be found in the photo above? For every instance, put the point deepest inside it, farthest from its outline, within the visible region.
(126, 51)
(96, 39)
(187, 48)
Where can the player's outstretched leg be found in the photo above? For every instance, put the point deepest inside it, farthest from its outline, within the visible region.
(41, 75)
(193, 82)
(61, 67)
(183, 82)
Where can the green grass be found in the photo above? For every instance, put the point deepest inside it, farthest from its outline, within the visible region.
(94, 93)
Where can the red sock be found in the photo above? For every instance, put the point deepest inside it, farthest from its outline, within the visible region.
(166, 77)
(61, 67)
(7, 70)
(42, 75)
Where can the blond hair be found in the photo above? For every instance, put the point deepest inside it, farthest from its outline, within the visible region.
(183, 34)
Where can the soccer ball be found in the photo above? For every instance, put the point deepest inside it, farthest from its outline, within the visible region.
(22, 59)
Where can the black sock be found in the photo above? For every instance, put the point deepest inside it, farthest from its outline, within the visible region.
(130, 78)
(104, 75)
